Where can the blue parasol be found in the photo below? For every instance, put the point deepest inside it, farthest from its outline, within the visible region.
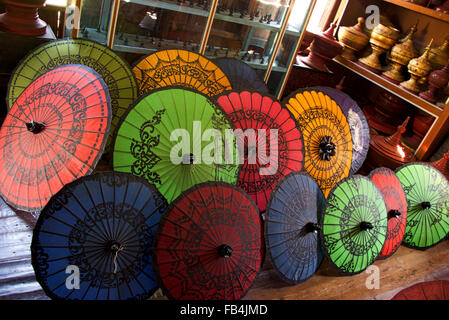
(93, 239)
(291, 227)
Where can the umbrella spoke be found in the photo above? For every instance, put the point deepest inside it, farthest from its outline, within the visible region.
(210, 240)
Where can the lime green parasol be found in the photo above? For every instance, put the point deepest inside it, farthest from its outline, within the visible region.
(176, 138)
(427, 194)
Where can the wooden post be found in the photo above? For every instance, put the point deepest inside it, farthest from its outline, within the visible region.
(210, 21)
(113, 23)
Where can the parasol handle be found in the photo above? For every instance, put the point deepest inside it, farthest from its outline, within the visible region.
(365, 225)
(394, 213)
(312, 227)
(224, 251)
(327, 148)
(426, 205)
(35, 127)
(188, 158)
(115, 247)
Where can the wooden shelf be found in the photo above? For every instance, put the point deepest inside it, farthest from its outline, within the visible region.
(391, 87)
(420, 9)
(440, 127)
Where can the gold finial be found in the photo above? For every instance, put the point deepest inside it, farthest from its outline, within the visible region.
(429, 46)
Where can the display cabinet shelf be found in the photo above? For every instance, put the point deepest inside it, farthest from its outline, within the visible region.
(352, 9)
(173, 6)
(255, 62)
(420, 9)
(273, 26)
(185, 8)
(391, 87)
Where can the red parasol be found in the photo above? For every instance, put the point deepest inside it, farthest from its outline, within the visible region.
(284, 147)
(430, 290)
(209, 244)
(391, 189)
(54, 133)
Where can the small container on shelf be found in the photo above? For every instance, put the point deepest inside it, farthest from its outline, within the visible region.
(437, 80)
(324, 47)
(442, 165)
(382, 40)
(387, 112)
(378, 121)
(421, 125)
(22, 17)
(354, 39)
(440, 55)
(418, 68)
(400, 56)
(388, 103)
(389, 151)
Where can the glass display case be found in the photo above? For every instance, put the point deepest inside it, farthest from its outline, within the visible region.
(94, 20)
(263, 33)
(255, 31)
(289, 45)
(145, 26)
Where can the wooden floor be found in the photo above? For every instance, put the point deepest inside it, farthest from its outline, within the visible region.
(17, 280)
(403, 269)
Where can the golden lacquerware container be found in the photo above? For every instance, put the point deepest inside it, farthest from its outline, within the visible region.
(382, 39)
(438, 56)
(400, 56)
(418, 68)
(353, 38)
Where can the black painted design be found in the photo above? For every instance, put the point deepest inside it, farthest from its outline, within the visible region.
(347, 236)
(165, 71)
(58, 92)
(146, 159)
(82, 254)
(246, 181)
(318, 123)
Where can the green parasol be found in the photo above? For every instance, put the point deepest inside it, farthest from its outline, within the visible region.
(354, 225)
(113, 69)
(175, 138)
(427, 194)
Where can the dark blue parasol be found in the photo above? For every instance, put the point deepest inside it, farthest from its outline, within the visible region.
(241, 75)
(291, 227)
(102, 226)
